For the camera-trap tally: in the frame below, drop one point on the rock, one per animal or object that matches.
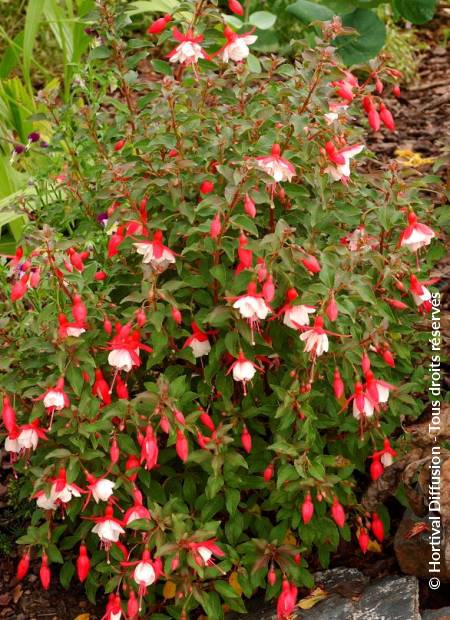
(414, 551)
(436, 614)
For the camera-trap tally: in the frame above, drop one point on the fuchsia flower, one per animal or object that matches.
(113, 608)
(236, 47)
(155, 253)
(101, 387)
(29, 435)
(63, 491)
(359, 240)
(344, 87)
(138, 510)
(55, 399)
(243, 370)
(203, 552)
(244, 254)
(149, 448)
(198, 341)
(420, 293)
(189, 49)
(252, 307)
(315, 339)
(387, 454)
(362, 405)
(377, 389)
(294, 315)
(274, 165)
(340, 170)
(416, 235)
(287, 600)
(100, 489)
(67, 329)
(108, 528)
(124, 347)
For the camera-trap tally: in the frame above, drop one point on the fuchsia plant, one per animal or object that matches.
(209, 325)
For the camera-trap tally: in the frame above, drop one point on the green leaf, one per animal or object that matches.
(66, 573)
(161, 66)
(232, 499)
(32, 19)
(369, 40)
(415, 11)
(253, 64)
(309, 12)
(225, 589)
(262, 19)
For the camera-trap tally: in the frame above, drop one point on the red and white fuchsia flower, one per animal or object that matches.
(252, 307)
(198, 342)
(189, 49)
(287, 600)
(340, 170)
(124, 348)
(277, 167)
(416, 235)
(155, 253)
(63, 491)
(243, 370)
(107, 528)
(294, 315)
(100, 488)
(67, 329)
(236, 47)
(420, 293)
(315, 339)
(203, 552)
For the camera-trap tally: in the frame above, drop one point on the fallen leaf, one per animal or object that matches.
(289, 539)
(234, 583)
(417, 529)
(17, 593)
(409, 158)
(312, 599)
(169, 589)
(374, 546)
(83, 617)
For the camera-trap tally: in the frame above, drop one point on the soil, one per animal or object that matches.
(422, 115)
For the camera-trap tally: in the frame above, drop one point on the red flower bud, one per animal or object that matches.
(100, 275)
(396, 90)
(141, 317)
(268, 473)
(83, 564)
(23, 567)
(44, 573)
(307, 509)
(377, 527)
(367, 104)
(389, 358)
(236, 7)
(119, 145)
(365, 363)
(114, 452)
(376, 469)
(8, 415)
(271, 577)
(159, 25)
(337, 512)
(338, 384)
(311, 263)
(176, 315)
(207, 421)
(19, 289)
(215, 226)
(35, 278)
(206, 187)
(132, 464)
(173, 153)
(379, 86)
(249, 206)
(268, 289)
(246, 440)
(332, 311)
(386, 118)
(374, 119)
(363, 540)
(107, 326)
(133, 604)
(182, 446)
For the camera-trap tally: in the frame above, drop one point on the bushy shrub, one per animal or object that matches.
(207, 334)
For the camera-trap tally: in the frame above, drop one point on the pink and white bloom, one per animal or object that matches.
(198, 341)
(362, 404)
(155, 253)
(243, 370)
(203, 552)
(138, 510)
(359, 240)
(334, 111)
(67, 329)
(189, 49)
(11, 442)
(144, 574)
(420, 293)
(315, 339)
(252, 306)
(416, 235)
(29, 435)
(274, 165)
(388, 453)
(340, 170)
(46, 502)
(377, 389)
(108, 528)
(100, 488)
(124, 348)
(63, 491)
(236, 47)
(55, 399)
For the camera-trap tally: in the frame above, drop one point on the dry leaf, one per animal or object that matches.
(289, 539)
(234, 583)
(417, 529)
(17, 593)
(374, 546)
(83, 617)
(409, 158)
(312, 599)
(169, 589)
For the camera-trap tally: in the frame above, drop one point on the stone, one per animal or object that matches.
(436, 614)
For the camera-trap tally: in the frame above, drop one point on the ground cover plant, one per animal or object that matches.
(207, 332)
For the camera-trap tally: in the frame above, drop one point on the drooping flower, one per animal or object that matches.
(287, 600)
(101, 489)
(29, 435)
(274, 165)
(63, 491)
(107, 528)
(377, 389)
(340, 160)
(387, 453)
(252, 307)
(198, 341)
(315, 339)
(416, 235)
(137, 511)
(124, 348)
(149, 448)
(236, 47)
(420, 293)
(55, 399)
(67, 329)
(203, 552)
(243, 370)
(189, 49)
(83, 564)
(155, 253)
(294, 315)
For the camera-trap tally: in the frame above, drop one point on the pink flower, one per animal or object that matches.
(274, 165)
(286, 601)
(124, 347)
(100, 488)
(108, 528)
(377, 389)
(63, 491)
(236, 47)
(155, 253)
(137, 511)
(388, 453)
(189, 49)
(29, 435)
(359, 240)
(416, 235)
(55, 399)
(294, 315)
(252, 306)
(204, 551)
(315, 339)
(67, 329)
(243, 370)
(420, 293)
(344, 87)
(198, 342)
(149, 448)
(340, 170)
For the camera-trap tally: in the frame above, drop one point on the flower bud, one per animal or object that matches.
(23, 567)
(246, 440)
(83, 564)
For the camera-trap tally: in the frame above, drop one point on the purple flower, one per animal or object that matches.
(19, 148)
(102, 218)
(34, 136)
